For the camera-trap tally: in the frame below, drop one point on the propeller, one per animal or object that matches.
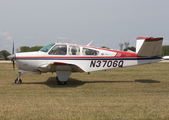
(12, 57)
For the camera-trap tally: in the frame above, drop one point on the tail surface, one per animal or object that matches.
(148, 46)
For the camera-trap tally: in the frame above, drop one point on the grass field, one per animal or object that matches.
(139, 92)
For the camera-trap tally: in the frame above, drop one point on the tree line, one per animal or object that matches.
(30, 49)
(5, 53)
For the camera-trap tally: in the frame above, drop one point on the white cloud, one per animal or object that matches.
(5, 36)
(9, 38)
(29, 38)
(2, 34)
(5, 41)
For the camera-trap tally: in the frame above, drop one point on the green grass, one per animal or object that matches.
(139, 92)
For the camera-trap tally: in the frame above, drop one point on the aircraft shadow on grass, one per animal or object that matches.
(146, 81)
(51, 82)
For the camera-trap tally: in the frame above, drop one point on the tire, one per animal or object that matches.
(61, 82)
(18, 81)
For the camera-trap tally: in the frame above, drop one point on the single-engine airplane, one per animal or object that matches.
(64, 58)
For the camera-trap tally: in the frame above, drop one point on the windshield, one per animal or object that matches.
(59, 50)
(47, 47)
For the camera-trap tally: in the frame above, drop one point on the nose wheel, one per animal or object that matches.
(18, 80)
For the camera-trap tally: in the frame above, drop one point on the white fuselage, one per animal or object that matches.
(81, 62)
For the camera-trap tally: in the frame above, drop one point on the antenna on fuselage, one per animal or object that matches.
(62, 38)
(58, 39)
(89, 43)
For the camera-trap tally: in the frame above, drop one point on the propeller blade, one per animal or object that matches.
(13, 57)
(13, 48)
(13, 64)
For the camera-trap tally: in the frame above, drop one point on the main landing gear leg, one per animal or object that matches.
(62, 77)
(18, 80)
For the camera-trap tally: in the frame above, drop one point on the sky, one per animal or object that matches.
(106, 22)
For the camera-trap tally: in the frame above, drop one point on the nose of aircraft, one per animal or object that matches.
(12, 58)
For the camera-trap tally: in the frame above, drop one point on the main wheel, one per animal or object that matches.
(61, 82)
(18, 81)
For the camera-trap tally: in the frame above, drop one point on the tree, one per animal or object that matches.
(4, 54)
(165, 50)
(35, 48)
(24, 49)
(130, 48)
(105, 47)
(30, 49)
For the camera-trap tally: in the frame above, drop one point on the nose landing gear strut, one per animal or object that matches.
(18, 80)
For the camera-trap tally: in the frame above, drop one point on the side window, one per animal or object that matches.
(59, 50)
(87, 51)
(74, 50)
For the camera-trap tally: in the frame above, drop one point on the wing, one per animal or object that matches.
(59, 66)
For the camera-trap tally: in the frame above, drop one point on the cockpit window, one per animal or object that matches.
(87, 51)
(47, 47)
(59, 50)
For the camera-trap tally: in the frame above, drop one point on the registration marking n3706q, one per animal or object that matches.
(106, 63)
